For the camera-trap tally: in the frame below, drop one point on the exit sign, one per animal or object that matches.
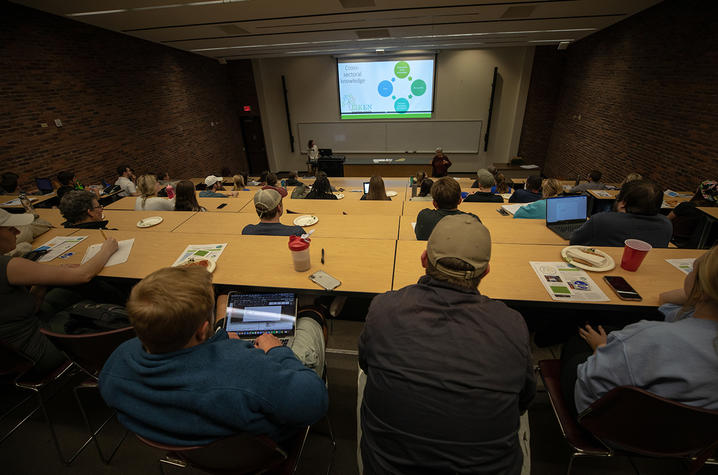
(247, 108)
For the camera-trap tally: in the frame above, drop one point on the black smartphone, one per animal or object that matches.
(502, 212)
(36, 254)
(622, 288)
(222, 206)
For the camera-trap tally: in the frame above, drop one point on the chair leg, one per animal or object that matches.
(94, 433)
(570, 463)
(17, 426)
(55, 440)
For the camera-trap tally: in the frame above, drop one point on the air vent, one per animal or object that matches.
(367, 34)
(519, 12)
(232, 30)
(357, 3)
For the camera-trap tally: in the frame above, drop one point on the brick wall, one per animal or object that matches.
(640, 96)
(120, 99)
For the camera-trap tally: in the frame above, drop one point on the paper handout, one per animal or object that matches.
(58, 246)
(567, 283)
(120, 256)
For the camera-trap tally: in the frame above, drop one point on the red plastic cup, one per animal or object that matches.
(300, 253)
(634, 253)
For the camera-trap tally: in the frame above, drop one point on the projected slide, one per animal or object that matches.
(386, 89)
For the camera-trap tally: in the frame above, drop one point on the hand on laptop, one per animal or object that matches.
(266, 342)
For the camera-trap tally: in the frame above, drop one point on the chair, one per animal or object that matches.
(238, 454)
(89, 352)
(44, 185)
(630, 421)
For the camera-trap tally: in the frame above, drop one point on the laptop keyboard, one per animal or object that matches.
(565, 230)
(285, 341)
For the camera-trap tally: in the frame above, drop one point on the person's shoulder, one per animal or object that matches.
(427, 213)
(250, 229)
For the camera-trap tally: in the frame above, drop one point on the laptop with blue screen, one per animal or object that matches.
(250, 314)
(565, 214)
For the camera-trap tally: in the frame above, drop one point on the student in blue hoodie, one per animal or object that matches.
(182, 383)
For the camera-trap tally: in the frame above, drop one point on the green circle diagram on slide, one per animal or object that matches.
(401, 69)
(416, 87)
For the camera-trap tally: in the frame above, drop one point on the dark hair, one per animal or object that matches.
(65, 177)
(425, 186)
(377, 190)
(453, 263)
(501, 185)
(263, 176)
(641, 197)
(121, 169)
(161, 175)
(269, 214)
(75, 204)
(533, 183)
(321, 186)
(310, 143)
(595, 175)
(271, 179)
(446, 192)
(292, 175)
(9, 181)
(185, 197)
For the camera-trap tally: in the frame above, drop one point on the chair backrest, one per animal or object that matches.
(90, 350)
(44, 185)
(631, 419)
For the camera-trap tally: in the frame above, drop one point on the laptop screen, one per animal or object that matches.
(366, 187)
(566, 208)
(251, 314)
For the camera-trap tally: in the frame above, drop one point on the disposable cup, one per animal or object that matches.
(634, 253)
(300, 253)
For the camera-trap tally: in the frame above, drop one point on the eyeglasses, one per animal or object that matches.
(98, 207)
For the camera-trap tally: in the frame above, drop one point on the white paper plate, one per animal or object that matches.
(149, 222)
(610, 264)
(339, 195)
(391, 193)
(211, 265)
(305, 220)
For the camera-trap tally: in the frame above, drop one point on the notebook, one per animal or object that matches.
(250, 314)
(565, 214)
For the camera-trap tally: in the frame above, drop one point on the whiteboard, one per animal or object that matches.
(453, 136)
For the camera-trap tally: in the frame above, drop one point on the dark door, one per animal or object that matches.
(253, 138)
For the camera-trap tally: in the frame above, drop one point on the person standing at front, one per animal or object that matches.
(440, 164)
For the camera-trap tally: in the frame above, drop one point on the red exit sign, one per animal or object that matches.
(247, 108)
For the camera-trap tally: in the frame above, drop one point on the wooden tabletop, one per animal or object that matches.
(512, 278)
(127, 220)
(34, 199)
(712, 212)
(611, 194)
(329, 225)
(502, 229)
(482, 210)
(350, 207)
(51, 215)
(234, 205)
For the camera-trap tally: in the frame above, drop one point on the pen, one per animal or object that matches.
(322, 255)
(103, 234)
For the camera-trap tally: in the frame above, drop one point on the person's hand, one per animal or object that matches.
(235, 193)
(594, 338)
(233, 336)
(266, 342)
(110, 245)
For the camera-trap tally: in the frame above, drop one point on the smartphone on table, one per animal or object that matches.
(622, 288)
(222, 206)
(325, 280)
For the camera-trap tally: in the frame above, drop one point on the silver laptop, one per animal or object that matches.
(565, 214)
(250, 314)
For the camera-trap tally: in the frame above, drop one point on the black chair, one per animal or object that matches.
(89, 352)
(630, 421)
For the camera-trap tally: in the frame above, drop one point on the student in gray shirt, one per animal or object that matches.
(594, 183)
(446, 193)
(268, 204)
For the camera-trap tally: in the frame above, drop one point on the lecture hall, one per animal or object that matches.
(359, 237)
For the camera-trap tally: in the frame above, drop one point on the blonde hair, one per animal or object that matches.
(147, 185)
(705, 286)
(631, 177)
(238, 182)
(169, 305)
(551, 187)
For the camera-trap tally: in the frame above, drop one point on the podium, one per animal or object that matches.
(332, 165)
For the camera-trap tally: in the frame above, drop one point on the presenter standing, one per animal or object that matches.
(440, 164)
(312, 157)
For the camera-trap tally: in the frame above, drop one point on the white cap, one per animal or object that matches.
(8, 219)
(211, 180)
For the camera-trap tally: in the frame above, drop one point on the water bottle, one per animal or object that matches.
(413, 190)
(25, 201)
(284, 183)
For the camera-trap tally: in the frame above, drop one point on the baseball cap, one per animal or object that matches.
(8, 219)
(211, 180)
(266, 200)
(278, 189)
(460, 236)
(486, 180)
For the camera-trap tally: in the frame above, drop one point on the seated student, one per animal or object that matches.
(263, 177)
(186, 198)
(23, 287)
(214, 184)
(485, 181)
(292, 179)
(638, 204)
(630, 177)
(377, 191)
(322, 189)
(502, 186)
(148, 199)
(449, 370)
(424, 191)
(239, 185)
(446, 194)
(268, 204)
(272, 185)
(8, 183)
(67, 183)
(419, 177)
(687, 218)
(530, 193)
(182, 383)
(537, 210)
(676, 358)
(126, 181)
(82, 210)
(593, 183)
(163, 177)
(481, 171)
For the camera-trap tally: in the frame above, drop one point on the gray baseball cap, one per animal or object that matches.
(461, 236)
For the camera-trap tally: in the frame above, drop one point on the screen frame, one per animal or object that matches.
(393, 57)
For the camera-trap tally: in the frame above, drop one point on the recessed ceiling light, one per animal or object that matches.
(155, 7)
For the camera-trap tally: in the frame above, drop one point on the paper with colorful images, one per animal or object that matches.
(567, 283)
(512, 208)
(17, 202)
(211, 252)
(683, 265)
(675, 194)
(57, 246)
(120, 256)
(603, 193)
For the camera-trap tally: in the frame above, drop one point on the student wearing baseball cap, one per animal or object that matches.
(23, 284)
(268, 204)
(449, 370)
(214, 184)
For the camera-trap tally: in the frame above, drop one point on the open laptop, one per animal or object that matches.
(565, 214)
(250, 314)
(366, 187)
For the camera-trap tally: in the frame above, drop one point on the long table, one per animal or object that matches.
(233, 204)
